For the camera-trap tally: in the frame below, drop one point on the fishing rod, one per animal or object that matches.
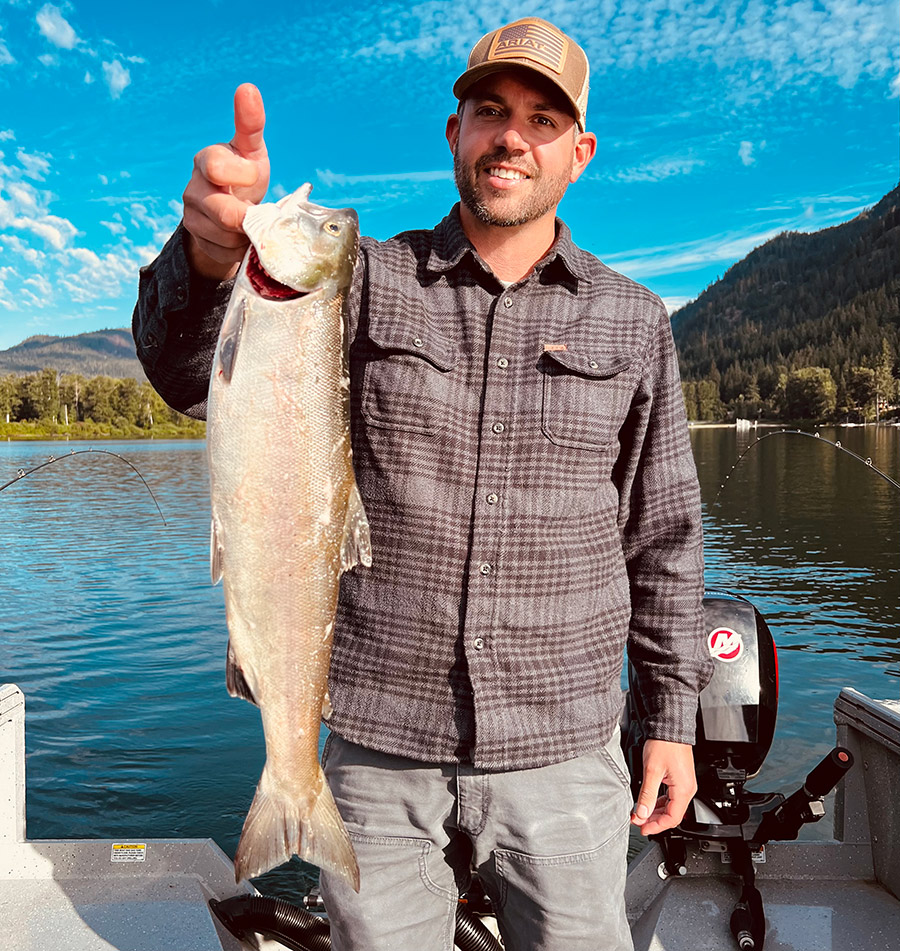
(799, 432)
(21, 473)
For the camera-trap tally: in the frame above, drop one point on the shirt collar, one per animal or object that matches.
(450, 246)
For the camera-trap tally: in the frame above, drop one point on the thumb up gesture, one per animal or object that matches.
(227, 179)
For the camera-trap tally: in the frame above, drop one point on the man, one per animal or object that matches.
(521, 449)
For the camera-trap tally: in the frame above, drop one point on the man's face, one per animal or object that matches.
(515, 149)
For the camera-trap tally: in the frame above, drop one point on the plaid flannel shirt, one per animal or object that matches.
(523, 456)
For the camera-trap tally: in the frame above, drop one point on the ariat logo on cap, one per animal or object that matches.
(532, 41)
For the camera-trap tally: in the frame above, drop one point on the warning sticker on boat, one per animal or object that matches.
(128, 852)
(725, 644)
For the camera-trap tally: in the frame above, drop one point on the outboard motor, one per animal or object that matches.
(735, 727)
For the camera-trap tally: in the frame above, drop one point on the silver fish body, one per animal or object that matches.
(287, 518)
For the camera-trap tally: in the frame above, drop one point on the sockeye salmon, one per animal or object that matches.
(287, 518)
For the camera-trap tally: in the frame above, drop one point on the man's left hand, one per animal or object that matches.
(672, 764)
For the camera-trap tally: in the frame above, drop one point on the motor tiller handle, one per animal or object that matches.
(829, 772)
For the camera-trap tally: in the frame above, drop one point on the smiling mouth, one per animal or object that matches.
(511, 174)
(265, 285)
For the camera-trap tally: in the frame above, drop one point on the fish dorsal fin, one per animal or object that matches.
(235, 680)
(229, 339)
(215, 553)
(357, 546)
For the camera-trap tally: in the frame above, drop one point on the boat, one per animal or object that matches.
(731, 876)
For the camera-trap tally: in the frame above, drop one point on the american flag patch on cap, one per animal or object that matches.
(531, 40)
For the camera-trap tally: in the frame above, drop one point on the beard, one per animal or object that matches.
(503, 209)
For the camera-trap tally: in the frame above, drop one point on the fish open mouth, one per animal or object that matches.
(265, 285)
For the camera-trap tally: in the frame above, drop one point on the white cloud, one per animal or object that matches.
(329, 178)
(23, 250)
(745, 153)
(757, 46)
(7, 135)
(6, 58)
(34, 165)
(655, 171)
(48, 59)
(674, 303)
(723, 249)
(25, 195)
(88, 78)
(116, 227)
(54, 26)
(117, 77)
(57, 232)
(103, 179)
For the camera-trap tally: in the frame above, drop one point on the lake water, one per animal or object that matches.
(109, 623)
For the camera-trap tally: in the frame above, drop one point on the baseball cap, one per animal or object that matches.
(539, 46)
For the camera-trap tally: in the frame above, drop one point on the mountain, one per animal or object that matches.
(829, 299)
(99, 353)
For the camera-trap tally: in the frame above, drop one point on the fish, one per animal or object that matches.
(287, 516)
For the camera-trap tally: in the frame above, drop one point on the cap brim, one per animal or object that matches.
(473, 75)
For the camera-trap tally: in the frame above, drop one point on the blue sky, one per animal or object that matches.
(719, 126)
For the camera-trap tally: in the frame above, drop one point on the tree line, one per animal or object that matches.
(854, 393)
(49, 403)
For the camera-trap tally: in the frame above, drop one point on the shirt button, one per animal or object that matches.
(478, 643)
(593, 364)
(418, 342)
(180, 294)
(503, 363)
(484, 568)
(498, 427)
(507, 302)
(493, 498)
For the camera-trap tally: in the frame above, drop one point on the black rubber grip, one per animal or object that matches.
(829, 772)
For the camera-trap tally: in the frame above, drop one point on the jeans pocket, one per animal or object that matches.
(395, 861)
(574, 900)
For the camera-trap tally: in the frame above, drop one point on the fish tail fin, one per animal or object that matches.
(275, 829)
(357, 546)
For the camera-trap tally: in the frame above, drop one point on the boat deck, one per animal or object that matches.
(151, 894)
(93, 894)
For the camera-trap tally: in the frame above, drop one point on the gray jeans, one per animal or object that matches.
(549, 844)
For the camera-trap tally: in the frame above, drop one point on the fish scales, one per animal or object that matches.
(287, 518)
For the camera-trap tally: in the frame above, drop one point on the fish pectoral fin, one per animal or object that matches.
(229, 339)
(235, 680)
(278, 826)
(357, 545)
(215, 553)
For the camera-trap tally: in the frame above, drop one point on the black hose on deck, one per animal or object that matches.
(295, 928)
(471, 934)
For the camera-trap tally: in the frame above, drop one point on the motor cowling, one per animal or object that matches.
(737, 709)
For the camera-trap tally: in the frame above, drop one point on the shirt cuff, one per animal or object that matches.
(672, 717)
(172, 298)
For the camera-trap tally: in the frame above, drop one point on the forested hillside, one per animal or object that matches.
(807, 325)
(102, 352)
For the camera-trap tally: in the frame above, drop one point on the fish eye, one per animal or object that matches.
(333, 227)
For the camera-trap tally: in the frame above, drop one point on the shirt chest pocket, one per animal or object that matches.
(585, 398)
(406, 378)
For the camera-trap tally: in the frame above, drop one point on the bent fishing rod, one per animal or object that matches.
(21, 473)
(867, 462)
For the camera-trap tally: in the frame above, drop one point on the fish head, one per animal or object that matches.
(299, 248)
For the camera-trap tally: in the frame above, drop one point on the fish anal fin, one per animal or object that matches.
(277, 827)
(215, 553)
(235, 680)
(357, 545)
